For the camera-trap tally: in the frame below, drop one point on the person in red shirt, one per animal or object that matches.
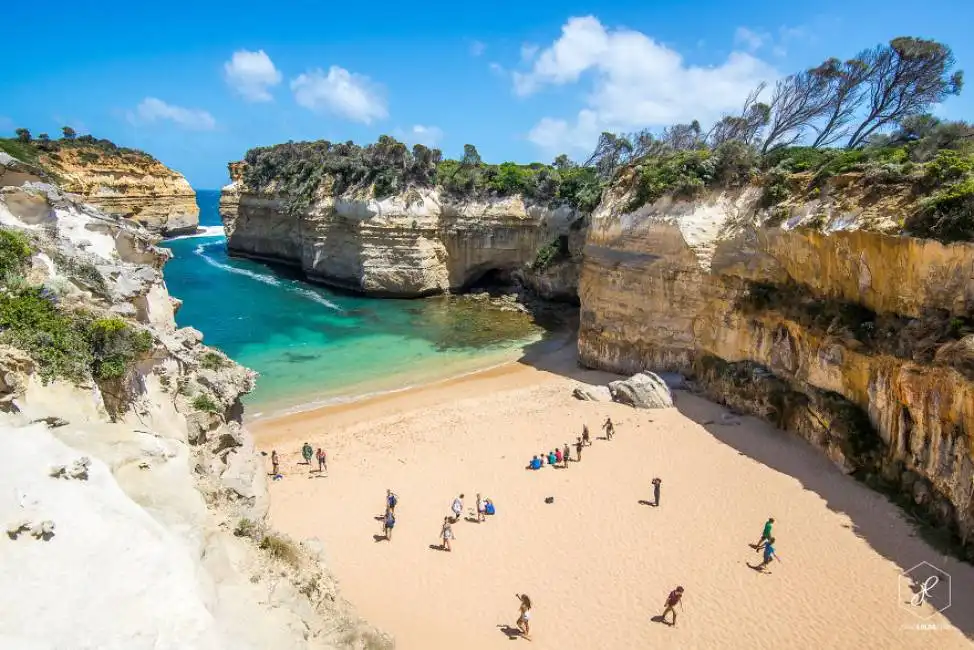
(322, 461)
(558, 456)
(675, 597)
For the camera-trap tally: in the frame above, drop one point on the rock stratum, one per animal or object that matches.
(126, 183)
(821, 318)
(419, 242)
(133, 499)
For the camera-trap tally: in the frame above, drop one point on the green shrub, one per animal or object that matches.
(775, 188)
(947, 167)
(60, 343)
(204, 402)
(734, 163)
(116, 346)
(948, 215)
(682, 174)
(281, 549)
(245, 528)
(212, 361)
(15, 251)
(797, 159)
(551, 253)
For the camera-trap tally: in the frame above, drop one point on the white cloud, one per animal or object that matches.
(751, 40)
(344, 93)
(496, 68)
(252, 74)
(636, 83)
(477, 48)
(152, 110)
(428, 135)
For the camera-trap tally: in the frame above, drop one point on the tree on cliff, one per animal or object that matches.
(905, 78)
(845, 97)
(745, 127)
(796, 102)
(23, 135)
(69, 133)
(471, 158)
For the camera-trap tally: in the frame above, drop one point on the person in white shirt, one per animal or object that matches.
(457, 508)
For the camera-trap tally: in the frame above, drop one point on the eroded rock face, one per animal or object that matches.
(419, 243)
(704, 288)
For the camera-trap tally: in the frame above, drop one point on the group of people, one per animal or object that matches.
(307, 452)
(561, 457)
(485, 508)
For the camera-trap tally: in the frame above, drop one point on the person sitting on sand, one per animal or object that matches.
(535, 463)
(609, 428)
(524, 615)
(586, 439)
(481, 512)
(489, 507)
(322, 461)
(391, 501)
(559, 457)
(446, 534)
(307, 452)
(765, 534)
(578, 450)
(566, 454)
(544, 457)
(676, 596)
(275, 464)
(457, 508)
(388, 523)
(552, 459)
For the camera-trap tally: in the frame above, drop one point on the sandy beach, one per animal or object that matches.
(599, 561)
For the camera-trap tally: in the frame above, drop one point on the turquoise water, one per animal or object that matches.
(312, 345)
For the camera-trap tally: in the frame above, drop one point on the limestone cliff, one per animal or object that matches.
(132, 497)
(419, 242)
(813, 317)
(123, 182)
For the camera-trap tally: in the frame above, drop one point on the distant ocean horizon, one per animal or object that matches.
(313, 346)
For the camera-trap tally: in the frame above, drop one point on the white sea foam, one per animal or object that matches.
(204, 231)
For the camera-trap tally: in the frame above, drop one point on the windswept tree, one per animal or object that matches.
(683, 137)
(904, 78)
(746, 127)
(611, 152)
(23, 135)
(845, 94)
(796, 102)
(69, 133)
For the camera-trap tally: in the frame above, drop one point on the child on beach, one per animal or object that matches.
(609, 428)
(457, 508)
(322, 461)
(566, 455)
(765, 534)
(769, 554)
(388, 523)
(585, 435)
(578, 450)
(524, 615)
(675, 597)
(481, 509)
(446, 534)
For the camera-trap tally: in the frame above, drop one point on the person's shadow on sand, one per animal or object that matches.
(512, 632)
(758, 568)
(659, 619)
(380, 538)
(644, 502)
(437, 547)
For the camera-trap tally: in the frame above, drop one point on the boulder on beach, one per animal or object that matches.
(588, 393)
(644, 390)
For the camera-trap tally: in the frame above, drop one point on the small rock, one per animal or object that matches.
(52, 422)
(588, 393)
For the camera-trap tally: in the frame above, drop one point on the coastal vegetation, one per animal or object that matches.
(88, 149)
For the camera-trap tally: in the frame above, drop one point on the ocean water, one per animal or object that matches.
(312, 345)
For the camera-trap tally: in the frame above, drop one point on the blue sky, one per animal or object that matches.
(521, 80)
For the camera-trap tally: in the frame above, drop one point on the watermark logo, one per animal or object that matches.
(924, 590)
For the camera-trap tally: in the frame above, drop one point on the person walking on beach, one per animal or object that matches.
(675, 597)
(446, 534)
(566, 455)
(322, 461)
(609, 428)
(524, 616)
(481, 509)
(765, 534)
(578, 450)
(307, 452)
(769, 554)
(457, 508)
(275, 464)
(388, 523)
(586, 438)
(656, 484)
(391, 501)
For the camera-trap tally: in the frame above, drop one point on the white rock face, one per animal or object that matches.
(643, 390)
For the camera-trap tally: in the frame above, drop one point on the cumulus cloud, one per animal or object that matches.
(352, 96)
(152, 110)
(252, 74)
(636, 83)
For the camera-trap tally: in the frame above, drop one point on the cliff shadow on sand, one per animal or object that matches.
(875, 519)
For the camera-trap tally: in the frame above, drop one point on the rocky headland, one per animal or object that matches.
(134, 501)
(120, 181)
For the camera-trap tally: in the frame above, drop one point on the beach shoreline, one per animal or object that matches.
(599, 560)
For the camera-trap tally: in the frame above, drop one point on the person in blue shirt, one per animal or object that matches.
(535, 463)
(769, 554)
(489, 507)
(552, 459)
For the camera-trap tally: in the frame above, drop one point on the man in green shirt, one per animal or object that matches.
(765, 534)
(307, 452)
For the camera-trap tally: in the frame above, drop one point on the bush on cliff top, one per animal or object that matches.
(15, 251)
